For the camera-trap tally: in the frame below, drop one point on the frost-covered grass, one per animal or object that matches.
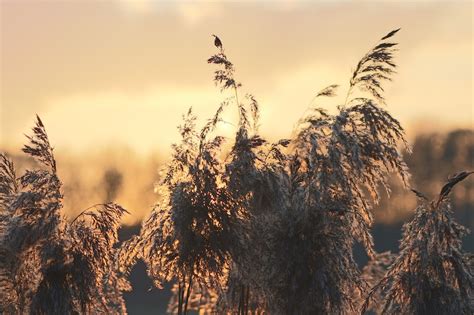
(51, 264)
(249, 227)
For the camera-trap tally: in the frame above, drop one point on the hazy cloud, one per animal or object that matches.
(98, 75)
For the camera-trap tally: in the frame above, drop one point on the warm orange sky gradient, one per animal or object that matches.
(104, 73)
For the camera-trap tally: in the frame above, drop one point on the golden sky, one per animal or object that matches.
(122, 72)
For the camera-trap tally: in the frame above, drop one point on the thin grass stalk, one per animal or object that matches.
(180, 311)
(188, 293)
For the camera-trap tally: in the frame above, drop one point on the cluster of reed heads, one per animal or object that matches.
(244, 225)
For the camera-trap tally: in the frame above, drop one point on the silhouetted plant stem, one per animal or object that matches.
(180, 304)
(241, 300)
(238, 105)
(188, 293)
(247, 298)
